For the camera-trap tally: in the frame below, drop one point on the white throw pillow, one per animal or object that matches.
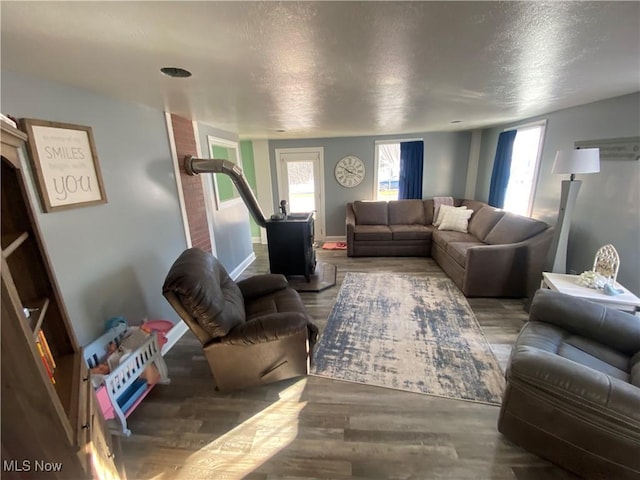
(443, 209)
(456, 220)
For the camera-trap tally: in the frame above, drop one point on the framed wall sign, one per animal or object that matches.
(627, 148)
(65, 164)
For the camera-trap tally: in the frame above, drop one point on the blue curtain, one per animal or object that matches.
(411, 161)
(501, 168)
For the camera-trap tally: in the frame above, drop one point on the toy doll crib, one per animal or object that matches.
(120, 391)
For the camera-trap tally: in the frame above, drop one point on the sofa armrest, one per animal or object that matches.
(616, 329)
(502, 265)
(267, 328)
(350, 224)
(568, 380)
(260, 285)
(537, 251)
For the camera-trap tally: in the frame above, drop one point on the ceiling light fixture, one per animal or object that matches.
(175, 72)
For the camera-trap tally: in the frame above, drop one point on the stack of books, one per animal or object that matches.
(45, 355)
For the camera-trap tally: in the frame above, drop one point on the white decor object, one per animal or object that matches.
(570, 162)
(607, 263)
(592, 279)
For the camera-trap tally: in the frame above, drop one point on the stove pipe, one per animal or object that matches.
(194, 166)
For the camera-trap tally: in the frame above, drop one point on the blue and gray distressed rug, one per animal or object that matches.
(410, 333)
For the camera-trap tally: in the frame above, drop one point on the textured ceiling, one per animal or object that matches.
(324, 69)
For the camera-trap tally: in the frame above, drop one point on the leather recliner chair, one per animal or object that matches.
(573, 387)
(253, 332)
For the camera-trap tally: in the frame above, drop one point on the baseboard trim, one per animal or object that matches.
(243, 266)
(173, 335)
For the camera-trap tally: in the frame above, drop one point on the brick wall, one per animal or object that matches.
(185, 140)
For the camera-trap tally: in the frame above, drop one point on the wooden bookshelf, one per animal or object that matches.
(45, 410)
(39, 308)
(12, 241)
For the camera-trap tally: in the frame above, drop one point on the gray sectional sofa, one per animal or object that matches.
(501, 255)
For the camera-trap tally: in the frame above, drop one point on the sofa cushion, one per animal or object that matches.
(483, 221)
(206, 291)
(444, 237)
(512, 228)
(443, 209)
(372, 232)
(406, 212)
(455, 219)
(474, 205)
(282, 301)
(428, 211)
(371, 213)
(635, 369)
(596, 356)
(410, 232)
(458, 251)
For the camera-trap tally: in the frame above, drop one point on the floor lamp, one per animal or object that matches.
(586, 160)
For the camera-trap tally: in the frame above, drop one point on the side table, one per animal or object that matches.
(568, 284)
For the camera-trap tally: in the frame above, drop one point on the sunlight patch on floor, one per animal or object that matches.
(249, 445)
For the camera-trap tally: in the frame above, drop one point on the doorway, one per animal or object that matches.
(301, 182)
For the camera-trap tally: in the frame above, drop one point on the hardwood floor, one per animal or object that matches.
(319, 428)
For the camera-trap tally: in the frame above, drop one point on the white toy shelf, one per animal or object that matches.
(122, 390)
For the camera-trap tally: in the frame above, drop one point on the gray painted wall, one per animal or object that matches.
(109, 259)
(445, 168)
(608, 205)
(231, 227)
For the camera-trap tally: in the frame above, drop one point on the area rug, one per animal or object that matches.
(334, 246)
(410, 333)
(322, 278)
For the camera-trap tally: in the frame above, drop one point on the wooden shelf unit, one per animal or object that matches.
(41, 420)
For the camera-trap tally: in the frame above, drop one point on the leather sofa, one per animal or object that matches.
(501, 255)
(573, 387)
(252, 332)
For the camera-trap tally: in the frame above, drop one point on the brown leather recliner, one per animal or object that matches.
(573, 387)
(253, 332)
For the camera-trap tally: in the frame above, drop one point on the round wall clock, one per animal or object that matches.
(349, 171)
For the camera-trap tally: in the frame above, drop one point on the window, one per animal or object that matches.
(387, 171)
(301, 186)
(226, 192)
(525, 159)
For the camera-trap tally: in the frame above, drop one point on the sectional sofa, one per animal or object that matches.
(501, 254)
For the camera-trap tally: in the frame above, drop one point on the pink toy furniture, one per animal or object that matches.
(122, 390)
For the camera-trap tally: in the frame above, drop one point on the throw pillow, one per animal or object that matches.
(442, 210)
(456, 220)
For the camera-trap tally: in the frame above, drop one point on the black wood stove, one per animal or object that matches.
(290, 237)
(290, 242)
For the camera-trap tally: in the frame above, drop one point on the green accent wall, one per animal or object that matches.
(249, 170)
(226, 189)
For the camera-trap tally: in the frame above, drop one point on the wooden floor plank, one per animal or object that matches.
(320, 428)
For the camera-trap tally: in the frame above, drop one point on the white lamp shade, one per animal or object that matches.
(583, 160)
